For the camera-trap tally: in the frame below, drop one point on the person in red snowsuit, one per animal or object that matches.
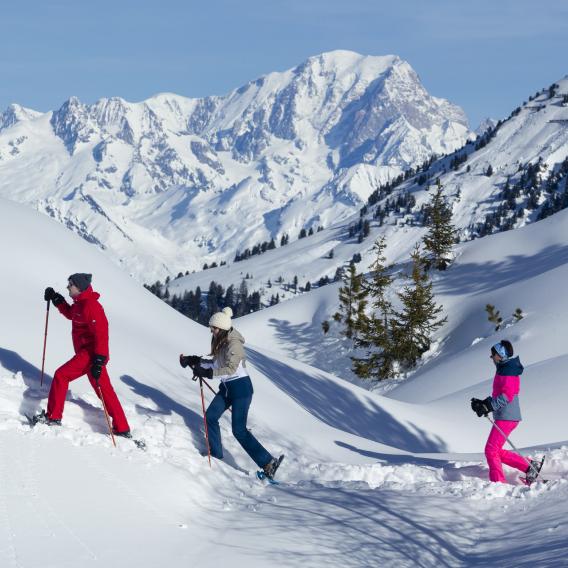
(89, 331)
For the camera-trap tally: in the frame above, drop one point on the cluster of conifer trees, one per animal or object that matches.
(395, 338)
(525, 196)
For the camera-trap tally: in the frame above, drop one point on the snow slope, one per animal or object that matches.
(368, 479)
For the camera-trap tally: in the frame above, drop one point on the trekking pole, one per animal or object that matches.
(209, 387)
(213, 391)
(106, 414)
(204, 419)
(44, 343)
(528, 462)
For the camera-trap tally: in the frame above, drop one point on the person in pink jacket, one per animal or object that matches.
(504, 403)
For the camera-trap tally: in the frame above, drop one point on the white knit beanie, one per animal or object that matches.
(222, 320)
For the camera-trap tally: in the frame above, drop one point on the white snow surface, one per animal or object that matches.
(368, 480)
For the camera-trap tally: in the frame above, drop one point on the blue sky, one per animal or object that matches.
(486, 56)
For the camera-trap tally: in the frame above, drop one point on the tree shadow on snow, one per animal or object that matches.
(352, 528)
(337, 406)
(474, 278)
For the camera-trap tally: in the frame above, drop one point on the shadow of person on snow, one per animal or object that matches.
(33, 393)
(338, 406)
(452, 471)
(166, 406)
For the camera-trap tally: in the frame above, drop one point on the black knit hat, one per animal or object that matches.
(81, 280)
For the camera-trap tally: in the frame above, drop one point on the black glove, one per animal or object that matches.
(481, 407)
(50, 295)
(202, 372)
(189, 360)
(97, 364)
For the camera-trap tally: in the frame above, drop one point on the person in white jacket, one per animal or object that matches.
(228, 364)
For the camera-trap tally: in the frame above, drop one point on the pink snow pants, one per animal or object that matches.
(497, 456)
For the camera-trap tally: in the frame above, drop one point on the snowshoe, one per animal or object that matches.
(533, 471)
(269, 470)
(42, 418)
(124, 434)
(141, 444)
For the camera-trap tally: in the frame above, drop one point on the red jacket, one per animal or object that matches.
(90, 325)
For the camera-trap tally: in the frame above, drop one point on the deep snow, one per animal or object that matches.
(368, 480)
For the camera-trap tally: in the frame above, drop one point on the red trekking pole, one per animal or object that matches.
(213, 391)
(204, 419)
(106, 414)
(44, 342)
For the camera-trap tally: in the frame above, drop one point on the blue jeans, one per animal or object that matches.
(238, 395)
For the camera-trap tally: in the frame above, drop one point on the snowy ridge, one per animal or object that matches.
(535, 131)
(170, 183)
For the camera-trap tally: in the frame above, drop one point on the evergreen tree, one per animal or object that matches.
(196, 308)
(230, 299)
(441, 235)
(377, 336)
(494, 316)
(518, 315)
(254, 302)
(352, 302)
(241, 307)
(214, 298)
(413, 326)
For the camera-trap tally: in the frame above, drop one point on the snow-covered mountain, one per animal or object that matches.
(525, 151)
(485, 125)
(170, 183)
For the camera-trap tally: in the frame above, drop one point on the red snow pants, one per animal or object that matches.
(77, 367)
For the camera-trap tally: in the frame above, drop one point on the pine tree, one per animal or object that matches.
(230, 298)
(242, 299)
(378, 363)
(352, 302)
(419, 318)
(518, 315)
(441, 235)
(494, 316)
